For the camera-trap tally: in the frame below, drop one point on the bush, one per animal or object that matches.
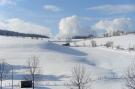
(109, 44)
(118, 47)
(131, 49)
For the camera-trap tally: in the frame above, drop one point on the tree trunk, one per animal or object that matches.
(1, 80)
(33, 81)
(79, 87)
(1, 84)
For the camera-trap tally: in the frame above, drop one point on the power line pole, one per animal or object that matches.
(12, 77)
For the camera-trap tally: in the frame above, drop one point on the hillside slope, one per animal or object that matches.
(124, 41)
(107, 66)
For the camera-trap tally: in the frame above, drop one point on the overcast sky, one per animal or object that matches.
(67, 17)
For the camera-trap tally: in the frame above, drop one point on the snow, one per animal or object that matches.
(106, 65)
(124, 41)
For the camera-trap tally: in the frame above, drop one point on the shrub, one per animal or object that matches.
(109, 44)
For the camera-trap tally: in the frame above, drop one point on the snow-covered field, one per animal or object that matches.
(107, 66)
(125, 41)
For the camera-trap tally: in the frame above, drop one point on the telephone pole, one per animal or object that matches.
(12, 77)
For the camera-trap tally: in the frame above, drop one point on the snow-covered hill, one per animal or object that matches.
(107, 66)
(125, 41)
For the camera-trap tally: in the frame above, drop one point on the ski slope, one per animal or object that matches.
(107, 66)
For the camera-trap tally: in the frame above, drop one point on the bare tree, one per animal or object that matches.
(130, 77)
(4, 70)
(93, 43)
(33, 70)
(80, 78)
